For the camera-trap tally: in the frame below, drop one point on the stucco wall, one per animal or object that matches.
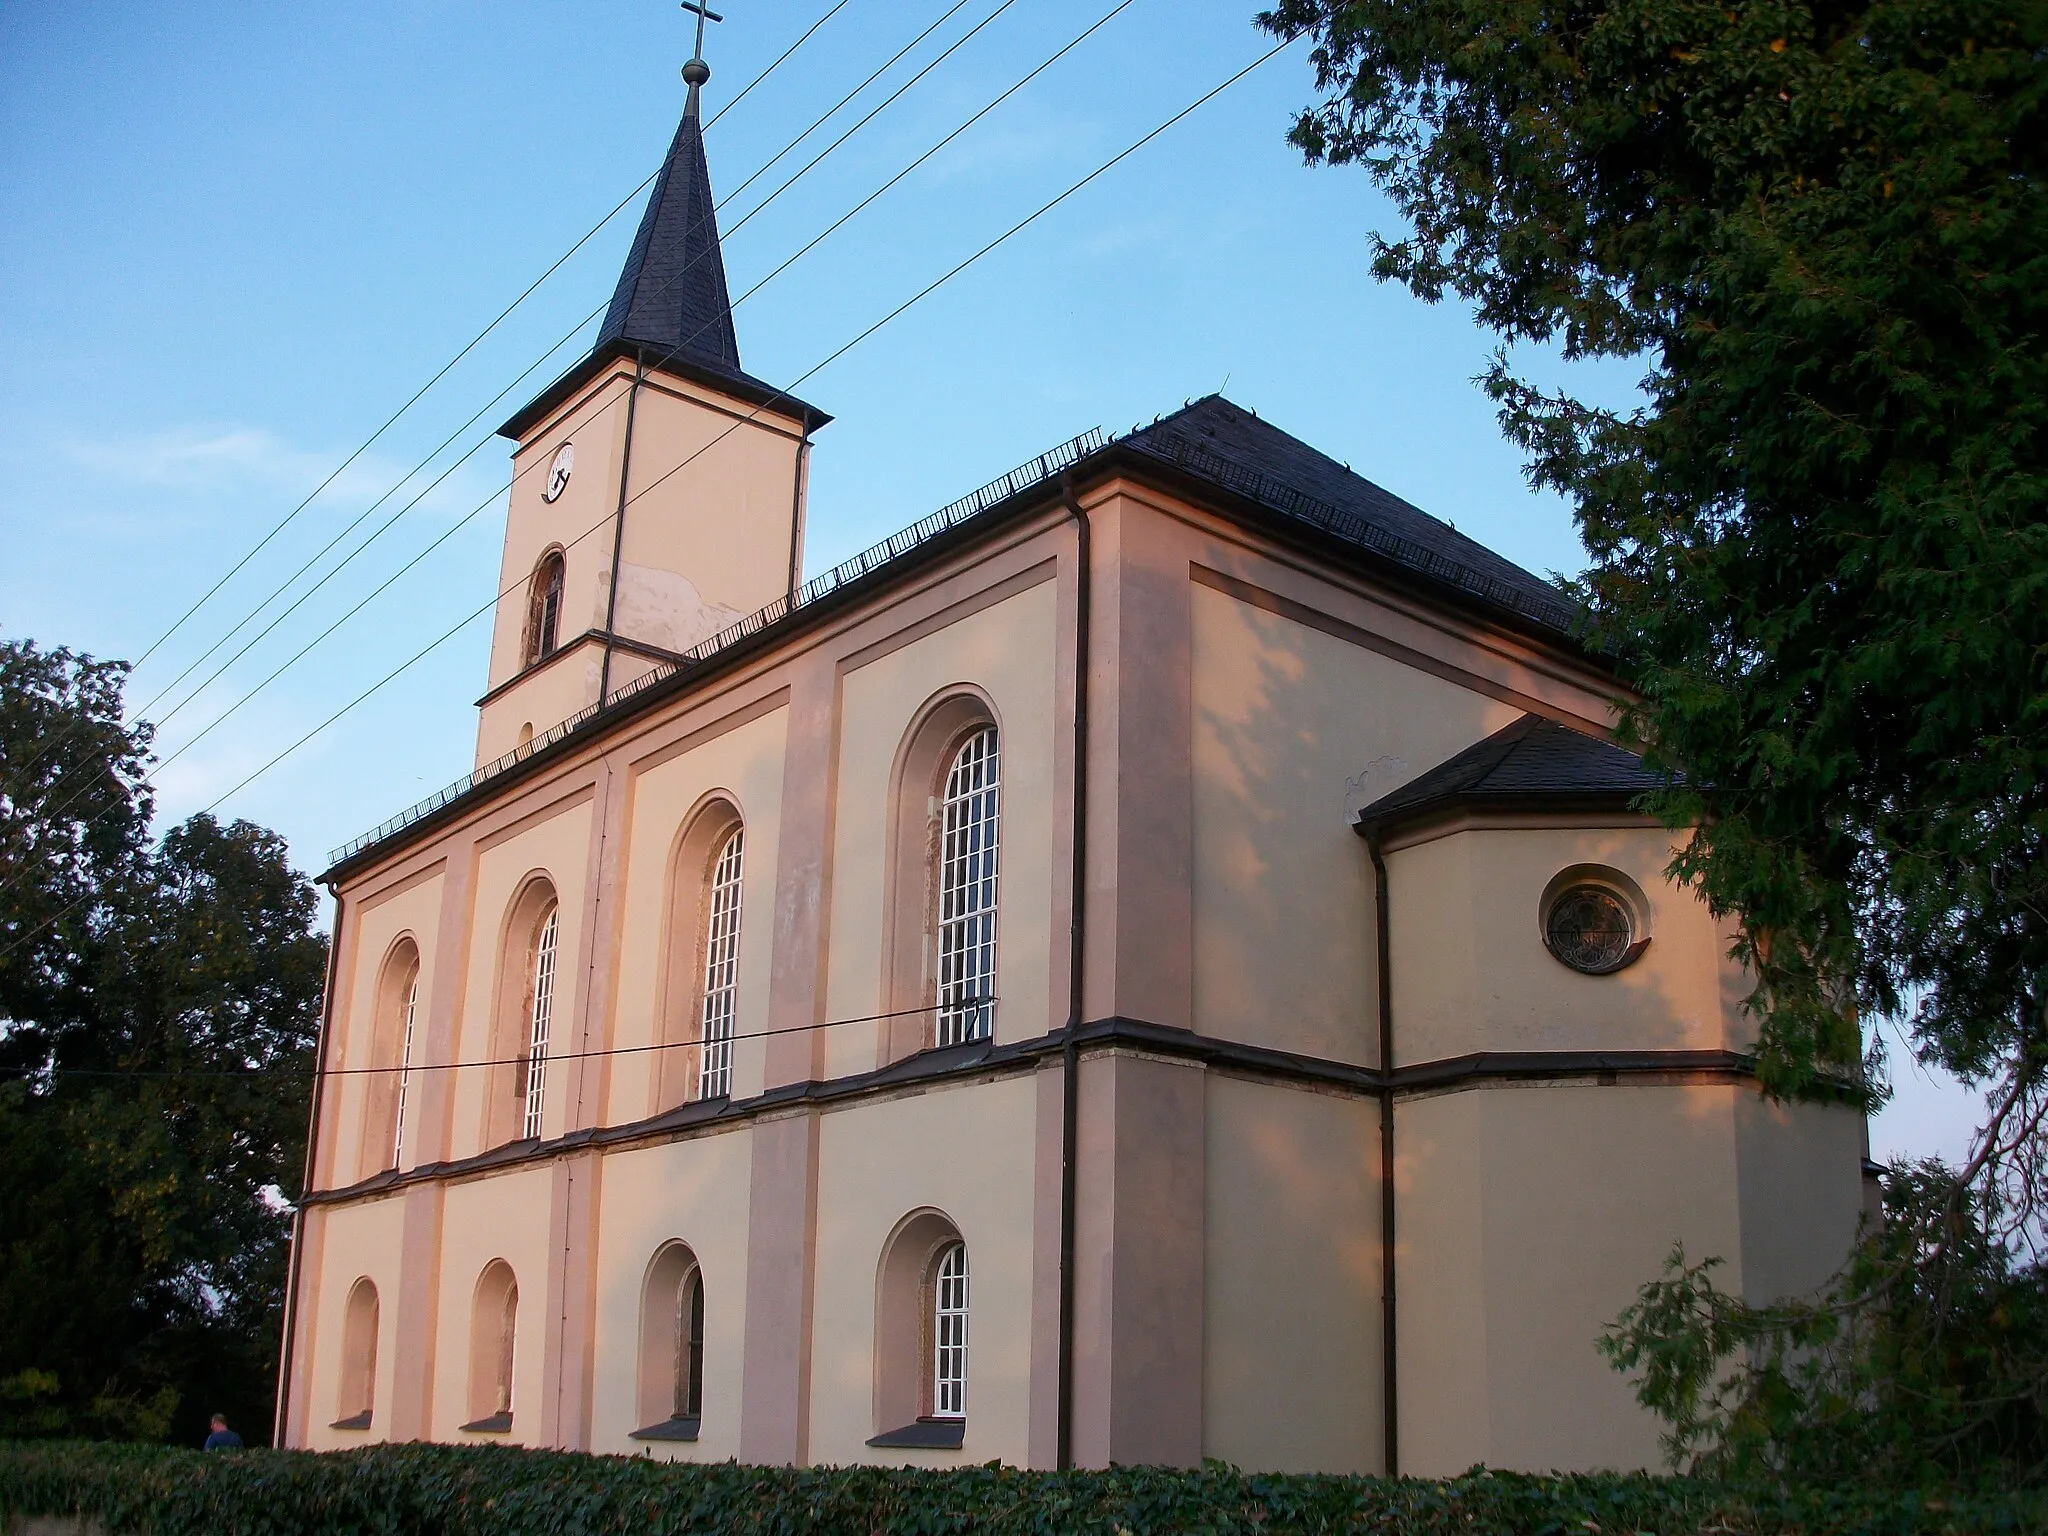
(966, 1151)
(1291, 1349)
(1294, 730)
(694, 1192)
(1007, 651)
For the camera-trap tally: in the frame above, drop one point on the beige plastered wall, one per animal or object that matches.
(553, 841)
(694, 1192)
(360, 1242)
(966, 1151)
(1005, 652)
(503, 1216)
(1471, 972)
(739, 760)
(1291, 1378)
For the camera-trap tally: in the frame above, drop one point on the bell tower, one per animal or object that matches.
(658, 488)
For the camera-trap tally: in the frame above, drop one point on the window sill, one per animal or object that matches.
(353, 1421)
(668, 1429)
(495, 1424)
(925, 1434)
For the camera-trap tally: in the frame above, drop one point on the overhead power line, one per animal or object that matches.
(784, 394)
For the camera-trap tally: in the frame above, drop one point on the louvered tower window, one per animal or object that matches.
(970, 833)
(721, 968)
(537, 1037)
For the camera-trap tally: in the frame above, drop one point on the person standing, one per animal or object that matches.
(223, 1438)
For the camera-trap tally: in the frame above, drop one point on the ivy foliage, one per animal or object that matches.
(497, 1491)
(158, 1004)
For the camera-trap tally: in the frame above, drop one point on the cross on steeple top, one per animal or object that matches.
(696, 71)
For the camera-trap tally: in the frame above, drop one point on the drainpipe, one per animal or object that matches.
(291, 1283)
(611, 597)
(1070, 1049)
(796, 514)
(1390, 1397)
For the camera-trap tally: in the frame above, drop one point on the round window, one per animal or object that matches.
(1590, 929)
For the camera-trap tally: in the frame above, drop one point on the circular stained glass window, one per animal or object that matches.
(1590, 929)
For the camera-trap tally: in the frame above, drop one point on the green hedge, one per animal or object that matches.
(490, 1491)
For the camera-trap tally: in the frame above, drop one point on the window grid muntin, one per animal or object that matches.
(949, 1334)
(721, 969)
(412, 998)
(970, 837)
(543, 1008)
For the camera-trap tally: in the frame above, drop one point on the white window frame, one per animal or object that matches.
(949, 1333)
(543, 1010)
(970, 846)
(721, 968)
(412, 999)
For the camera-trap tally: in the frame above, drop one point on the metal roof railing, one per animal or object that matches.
(874, 558)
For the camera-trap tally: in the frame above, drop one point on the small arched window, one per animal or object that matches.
(533, 1065)
(544, 608)
(672, 1347)
(493, 1339)
(921, 1335)
(358, 1357)
(721, 968)
(970, 837)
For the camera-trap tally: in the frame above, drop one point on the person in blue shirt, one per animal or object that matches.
(223, 1438)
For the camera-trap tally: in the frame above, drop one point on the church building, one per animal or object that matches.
(1156, 961)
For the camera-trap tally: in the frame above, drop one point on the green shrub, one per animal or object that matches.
(492, 1491)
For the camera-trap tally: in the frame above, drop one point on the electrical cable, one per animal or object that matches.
(495, 1061)
(492, 500)
(783, 394)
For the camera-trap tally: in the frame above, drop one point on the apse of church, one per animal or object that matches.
(1157, 961)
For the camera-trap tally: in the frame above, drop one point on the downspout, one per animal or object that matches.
(1390, 1380)
(291, 1283)
(1070, 1049)
(796, 515)
(611, 597)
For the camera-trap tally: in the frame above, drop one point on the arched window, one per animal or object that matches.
(540, 1007)
(358, 1357)
(544, 608)
(921, 1335)
(949, 1333)
(700, 1006)
(721, 968)
(672, 1347)
(523, 1015)
(969, 840)
(391, 1039)
(493, 1338)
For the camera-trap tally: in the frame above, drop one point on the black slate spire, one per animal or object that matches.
(672, 294)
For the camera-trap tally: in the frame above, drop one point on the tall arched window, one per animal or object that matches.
(493, 1339)
(544, 608)
(396, 1001)
(969, 839)
(721, 968)
(540, 1007)
(358, 1357)
(672, 1347)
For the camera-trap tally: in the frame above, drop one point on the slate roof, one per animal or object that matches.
(1532, 764)
(1227, 445)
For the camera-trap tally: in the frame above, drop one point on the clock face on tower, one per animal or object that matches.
(558, 473)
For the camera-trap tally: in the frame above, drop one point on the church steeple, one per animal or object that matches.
(672, 293)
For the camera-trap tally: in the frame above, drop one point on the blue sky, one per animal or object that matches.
(239, 236)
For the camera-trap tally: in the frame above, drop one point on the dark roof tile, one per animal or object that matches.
(1530, 762)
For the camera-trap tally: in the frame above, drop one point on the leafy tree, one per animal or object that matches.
(1820, 542)
(158, 1006)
